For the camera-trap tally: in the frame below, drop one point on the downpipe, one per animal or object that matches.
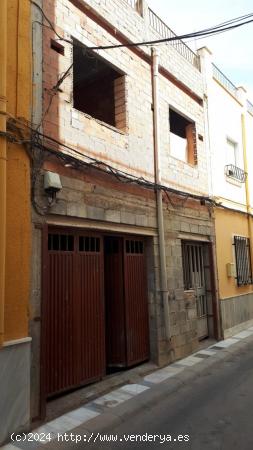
(159, 196)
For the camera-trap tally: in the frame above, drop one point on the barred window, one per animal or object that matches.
(243, 260)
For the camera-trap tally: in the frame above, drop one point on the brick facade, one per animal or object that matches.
(90, 199)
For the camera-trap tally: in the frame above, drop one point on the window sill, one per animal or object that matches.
(187, 164)
(100, 122)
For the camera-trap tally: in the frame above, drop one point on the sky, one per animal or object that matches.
(232, 51)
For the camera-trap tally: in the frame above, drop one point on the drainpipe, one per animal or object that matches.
(159, 197)
(3, 156)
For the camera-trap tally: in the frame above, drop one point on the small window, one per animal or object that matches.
(182, 138)
(89, 244)
(134, 247)
(232, 156)
(98, 88)
(243, 261)
(60, 242)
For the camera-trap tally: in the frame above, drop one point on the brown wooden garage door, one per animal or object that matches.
(136, 301)
(73, 316)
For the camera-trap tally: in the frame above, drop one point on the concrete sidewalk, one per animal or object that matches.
(106, 412)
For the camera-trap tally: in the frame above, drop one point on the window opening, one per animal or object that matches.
(182, 138)
(98, 88)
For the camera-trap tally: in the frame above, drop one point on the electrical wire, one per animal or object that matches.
(171, 39)
(90, 162)
(43, 151)
(224, 26)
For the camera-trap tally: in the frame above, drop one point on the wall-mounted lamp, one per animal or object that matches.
(52, 185)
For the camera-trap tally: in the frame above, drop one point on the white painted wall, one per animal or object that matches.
(224, 122)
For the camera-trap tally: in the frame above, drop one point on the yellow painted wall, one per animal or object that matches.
(18, 239)
(228, 224)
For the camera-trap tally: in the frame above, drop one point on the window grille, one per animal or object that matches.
(243, 261)
(89, 244)
(134, 247)
(60, 242)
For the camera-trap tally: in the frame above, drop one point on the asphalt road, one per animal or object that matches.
(213, 411)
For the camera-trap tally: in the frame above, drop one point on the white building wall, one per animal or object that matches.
(249, 143)
(224, 112)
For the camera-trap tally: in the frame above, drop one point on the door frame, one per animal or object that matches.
(210, 248)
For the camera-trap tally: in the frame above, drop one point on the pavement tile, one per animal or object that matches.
(82, 414)
(134, 389)
(226, 343)
(189, 361)
(63, 424)
(243, 334)
(207, 352)
(159, 376)
(113, 399)
(173, 369)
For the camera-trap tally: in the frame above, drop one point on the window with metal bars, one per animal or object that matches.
(60, 242)
(89, 244)
(134, 247)
(243, 260)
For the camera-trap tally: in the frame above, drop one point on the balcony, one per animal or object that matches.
(224, 81)
(165, 32)
(161, 29)
(236, 173)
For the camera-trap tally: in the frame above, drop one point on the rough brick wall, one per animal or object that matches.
(130, 147)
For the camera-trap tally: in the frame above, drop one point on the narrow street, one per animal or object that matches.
(214, 409)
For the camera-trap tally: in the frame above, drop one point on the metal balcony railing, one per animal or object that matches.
(165, 32)
(235, 172)
(224, 81)
(135, 4)
(249, 107)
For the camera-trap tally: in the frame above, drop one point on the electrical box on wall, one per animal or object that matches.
(231, 270)
(52, 182)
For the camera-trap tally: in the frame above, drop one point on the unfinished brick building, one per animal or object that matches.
(119, 127)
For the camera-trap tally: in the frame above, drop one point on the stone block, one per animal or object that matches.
(77, 210)
(60, 208)
(112, 215)
(141, 220)
(95, 213)
(127, 217)
(185, 227)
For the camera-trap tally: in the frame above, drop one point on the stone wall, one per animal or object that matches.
(236, 314)
(111, 206)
